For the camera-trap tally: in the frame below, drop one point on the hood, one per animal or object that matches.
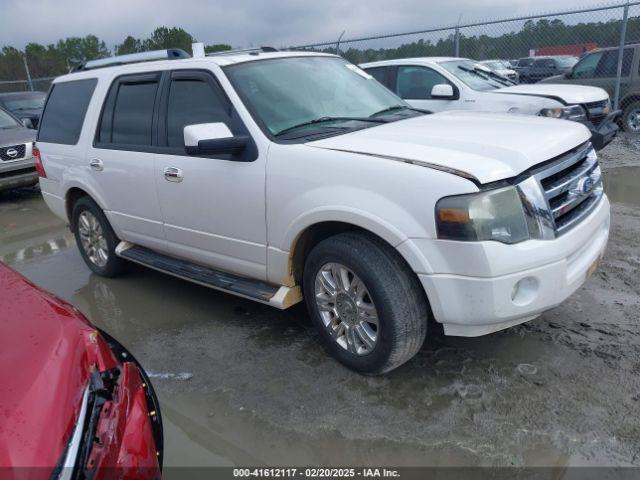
(569, 94)
(12, 136)
(46, 349)
(484, 146)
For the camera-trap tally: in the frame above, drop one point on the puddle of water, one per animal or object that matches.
(622, 185)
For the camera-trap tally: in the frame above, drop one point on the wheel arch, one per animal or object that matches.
(629, 99)
(72, 194)
(316, 232)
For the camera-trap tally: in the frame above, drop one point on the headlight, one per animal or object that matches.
(492, 215)
(573, 112)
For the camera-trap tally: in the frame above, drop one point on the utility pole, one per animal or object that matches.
(623, 35)
(338, 43)
(456, 38)
(26, 68)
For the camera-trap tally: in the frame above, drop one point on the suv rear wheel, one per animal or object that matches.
(366, 303)
(95, 238)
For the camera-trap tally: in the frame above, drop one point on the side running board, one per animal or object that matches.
(279, 297)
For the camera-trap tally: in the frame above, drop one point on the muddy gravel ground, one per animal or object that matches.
(245, 384)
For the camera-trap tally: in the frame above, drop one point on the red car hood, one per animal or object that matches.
(47, 352)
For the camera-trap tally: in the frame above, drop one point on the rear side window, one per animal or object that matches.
(379, 73)
(128, 113)
(65, 110)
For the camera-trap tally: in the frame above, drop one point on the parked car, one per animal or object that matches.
(278, 176)
(544, 67)
(17, 165)
(27, 106)
(503, 68)
(443, 83)
(522, 68)
(74, 402)
(599, 68)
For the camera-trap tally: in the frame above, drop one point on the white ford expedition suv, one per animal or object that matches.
(278, 176)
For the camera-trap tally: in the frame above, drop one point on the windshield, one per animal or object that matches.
(285, 93)
(566, 62)
(496, 65)
(475, 76)
(7, 121)
(33, 102)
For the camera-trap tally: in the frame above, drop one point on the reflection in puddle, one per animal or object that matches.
(622, 185)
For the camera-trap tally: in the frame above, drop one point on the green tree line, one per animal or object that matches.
(513, 44)
(58, 58)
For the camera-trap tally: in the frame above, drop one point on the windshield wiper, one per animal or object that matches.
(327, 119)
(389, 109)
(487, 75)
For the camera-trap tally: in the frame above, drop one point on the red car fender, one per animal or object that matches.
(125, 446)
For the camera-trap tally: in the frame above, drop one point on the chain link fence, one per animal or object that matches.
(571, 33)
(37, 84)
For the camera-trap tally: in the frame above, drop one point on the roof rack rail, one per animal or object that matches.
(168, 54)
(251, 51)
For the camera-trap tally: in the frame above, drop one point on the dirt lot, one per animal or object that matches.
(242, 383)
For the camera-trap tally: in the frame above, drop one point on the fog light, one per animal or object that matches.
(524, 291)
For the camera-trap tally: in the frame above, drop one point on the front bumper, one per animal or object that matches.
(606, 131)
(481, 297)
(19, 173)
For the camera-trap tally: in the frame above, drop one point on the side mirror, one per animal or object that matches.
(213, 139)
(442, 91)
(27, 122)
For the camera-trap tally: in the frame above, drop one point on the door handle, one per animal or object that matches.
(96, 164)
(173, 174)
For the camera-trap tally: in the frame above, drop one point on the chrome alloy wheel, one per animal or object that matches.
(346, 309)
(633, 120)
(92, 238)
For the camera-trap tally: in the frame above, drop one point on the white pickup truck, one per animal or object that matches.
(445, 83)
(278, 176)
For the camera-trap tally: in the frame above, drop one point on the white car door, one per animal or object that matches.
(213, 207)
(121, 159)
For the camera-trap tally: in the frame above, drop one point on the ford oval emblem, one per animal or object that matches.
(585, 185)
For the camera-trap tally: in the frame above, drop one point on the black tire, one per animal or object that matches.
(628, 110)
(399, 299)
(114, 265)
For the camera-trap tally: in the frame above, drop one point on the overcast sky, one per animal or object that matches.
(248, 22)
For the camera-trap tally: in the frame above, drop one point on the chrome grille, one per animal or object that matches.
(572, 187)
(12, 152)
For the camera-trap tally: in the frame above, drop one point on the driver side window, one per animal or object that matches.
(415, 83)
(586, 67)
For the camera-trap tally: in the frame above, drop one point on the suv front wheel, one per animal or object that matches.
(95, 238)
(367, 305)
(631, 117)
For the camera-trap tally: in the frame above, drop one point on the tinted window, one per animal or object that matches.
(525, 62)
(587, 66)
(65, 110)
(133, 113)
(191, 102)
(544, 63)
(417, 82)
(379, 73)
(603, 64)
(608, 64)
